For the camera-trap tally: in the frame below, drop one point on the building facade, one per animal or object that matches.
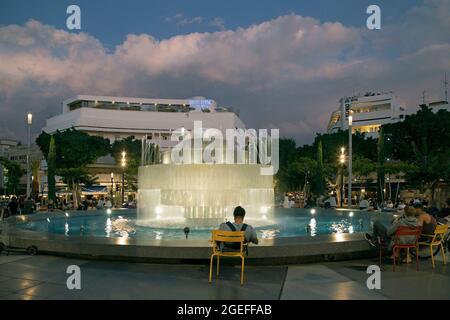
(117, 118)
(370, 111)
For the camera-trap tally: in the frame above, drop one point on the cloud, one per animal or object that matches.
(219, 23)
(181, 21)
(288, 72)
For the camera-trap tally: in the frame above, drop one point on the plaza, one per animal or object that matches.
(44, 277)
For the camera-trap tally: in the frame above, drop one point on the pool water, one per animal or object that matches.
(286, 223)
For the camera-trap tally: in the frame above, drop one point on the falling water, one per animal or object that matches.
(203, 194)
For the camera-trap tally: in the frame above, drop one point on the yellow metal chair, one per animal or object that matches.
(436, 240)
(226, 236)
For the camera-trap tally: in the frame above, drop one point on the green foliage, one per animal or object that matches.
(423, 141)
(132, 149)
(13, 174)
(74, 150)
(51, 168)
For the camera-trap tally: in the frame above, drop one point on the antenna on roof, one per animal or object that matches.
(423, 96)
(445, 82)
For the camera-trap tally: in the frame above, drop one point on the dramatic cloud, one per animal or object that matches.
(288, 72)
(219, 23)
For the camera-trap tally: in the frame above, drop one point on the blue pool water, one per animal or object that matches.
(286, 223)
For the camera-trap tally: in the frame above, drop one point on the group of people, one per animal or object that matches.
(413, 216)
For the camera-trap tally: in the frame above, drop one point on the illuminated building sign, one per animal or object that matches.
(200, 104)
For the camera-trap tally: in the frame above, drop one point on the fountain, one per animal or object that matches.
(202, 194)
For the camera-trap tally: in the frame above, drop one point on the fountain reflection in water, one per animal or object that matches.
(203, 195)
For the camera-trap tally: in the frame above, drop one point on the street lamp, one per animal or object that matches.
(342, 161)
(123, 164)
(29, 122)
(350, 122)
(112, 185)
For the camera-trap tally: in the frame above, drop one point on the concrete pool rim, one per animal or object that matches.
(288, 250)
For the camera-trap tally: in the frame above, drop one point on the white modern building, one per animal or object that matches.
(370, 111)
(5, 147)
(117, 118)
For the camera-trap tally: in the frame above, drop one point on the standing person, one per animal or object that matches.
(100, 204)
(238, 225)
(28, 206)
(108, 204)
(13, 206)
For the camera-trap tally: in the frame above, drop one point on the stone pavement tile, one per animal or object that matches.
(44, 290)
(423, 287)
(260, 283)
(11, 258)
(14, 270)
(320, 282)
(4, 278)
(20, 297)
(50, 263)
(348, 290)
(18, 284)
(313, 274)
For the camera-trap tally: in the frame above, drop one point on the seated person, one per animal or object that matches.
(364, 204)
(238, 225)
(387, 234)
(427, 221)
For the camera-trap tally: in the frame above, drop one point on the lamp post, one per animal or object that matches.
(112, 185)
(123, 164)
(29, 122)
(342, 161)
(350, 122)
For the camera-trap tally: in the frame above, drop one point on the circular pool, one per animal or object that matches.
(123, 223)
(290, 236)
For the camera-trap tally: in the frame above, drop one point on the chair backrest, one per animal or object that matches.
(403, 231)
(228, 236)
(439, 232)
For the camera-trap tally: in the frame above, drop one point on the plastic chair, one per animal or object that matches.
(436, 240)
(406, 231)
(227, 236)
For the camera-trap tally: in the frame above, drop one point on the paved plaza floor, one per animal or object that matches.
(44, 277)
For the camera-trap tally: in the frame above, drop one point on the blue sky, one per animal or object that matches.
(282, 64)
(110, 21)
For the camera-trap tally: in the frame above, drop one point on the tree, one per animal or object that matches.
(51, 167)
(35, 166)
(133, 151)
(74, 151)
(320, 177)
(380, 166)
(423, 140)
(13, 173)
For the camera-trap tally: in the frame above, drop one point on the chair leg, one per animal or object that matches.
(417, 258)
(432, 255)
(443, 253)
(218, 264)
(394, 253)
(210, 268)
(242, 271)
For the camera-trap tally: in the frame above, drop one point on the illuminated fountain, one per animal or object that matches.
(202, 194)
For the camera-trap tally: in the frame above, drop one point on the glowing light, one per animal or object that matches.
(264, 209)
(67, 214)
(29, 118)
(48, 220)
(66, 229)
(363, 190)
(108, 211)
(313, 211)
(351, 214)
(158, 211)
(350, 120)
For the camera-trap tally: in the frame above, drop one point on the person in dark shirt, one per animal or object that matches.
(28, 206)
(13, 206)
